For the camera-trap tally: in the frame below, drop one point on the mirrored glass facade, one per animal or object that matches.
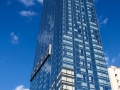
(69, 53)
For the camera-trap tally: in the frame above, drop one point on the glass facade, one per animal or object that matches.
(69, 53)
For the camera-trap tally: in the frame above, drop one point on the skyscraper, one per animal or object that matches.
(69, 53)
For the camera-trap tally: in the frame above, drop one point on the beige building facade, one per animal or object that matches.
(114, 75)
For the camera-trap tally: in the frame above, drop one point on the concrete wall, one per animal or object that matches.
(114, 75)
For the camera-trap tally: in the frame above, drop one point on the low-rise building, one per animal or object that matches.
(114, 75)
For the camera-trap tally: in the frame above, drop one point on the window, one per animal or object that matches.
(88, 59)
(82, 63)
(81, 51)
(69, 53)
(81, 57)
(87, 47)
(64, 78)
(117, 80)
(102, 81)
(89, 65)
(84, 84)
(87, 53)
(115, 75)
(84, 77)
(92, 86)
(64, 86)
(118, 87)
(101, 88)
(68, 72)
(91, 79)
(69, 79)
(83, 70)
(79, 75)
(67, 87)
(68, 66)
(66, 59)
(90, 71)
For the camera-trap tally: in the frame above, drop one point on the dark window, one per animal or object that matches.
(79, 31)
(118, 87)
(83, 63)
(84, 77)
(117, 80)
(91, 79)
(81, 52)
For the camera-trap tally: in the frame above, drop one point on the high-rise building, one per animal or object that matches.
(69, 53)
(114, 75)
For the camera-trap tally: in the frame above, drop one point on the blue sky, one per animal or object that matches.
(19, 25)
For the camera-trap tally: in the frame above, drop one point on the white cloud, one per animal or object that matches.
(9, 2)
(40, 1)
(28, 13)
(113, 60)
(99, 19)
(107, 60)
(14, 38)
(27, 2)
(51, 21)
(47, 35)
(21, 87)
(47, 68)
(104, 21)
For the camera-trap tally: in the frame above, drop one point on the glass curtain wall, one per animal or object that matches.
(77, 59)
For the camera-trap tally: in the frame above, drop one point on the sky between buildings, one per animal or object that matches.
(19, 25)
